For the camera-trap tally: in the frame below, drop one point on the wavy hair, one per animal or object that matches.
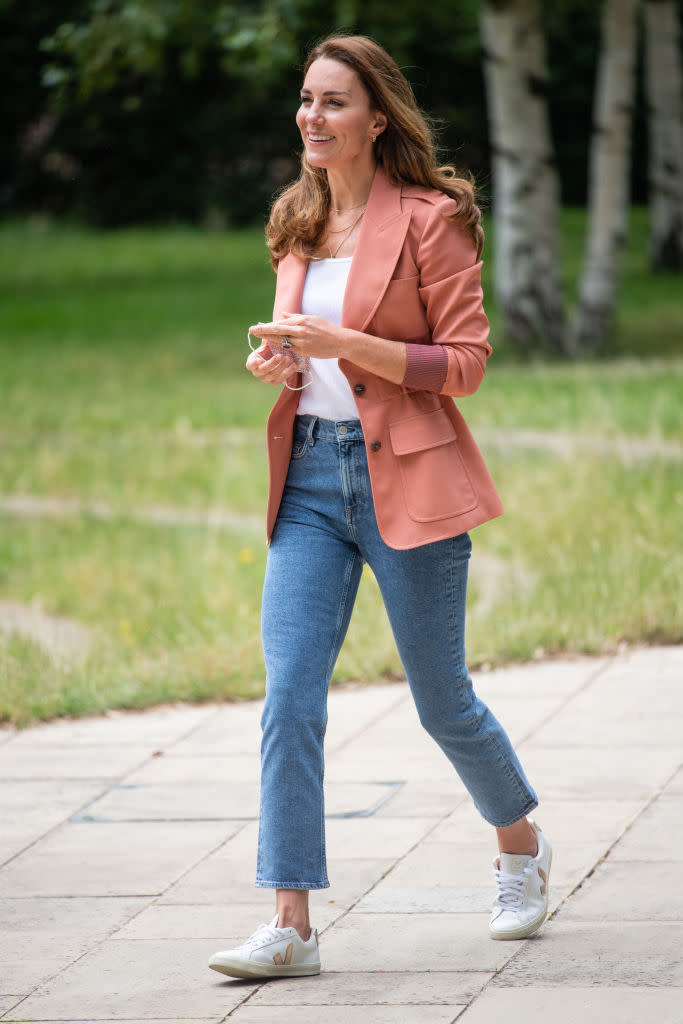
(406, 151)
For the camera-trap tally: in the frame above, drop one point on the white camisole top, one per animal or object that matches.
(328, 395)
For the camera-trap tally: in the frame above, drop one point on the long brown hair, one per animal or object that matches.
(405, 149)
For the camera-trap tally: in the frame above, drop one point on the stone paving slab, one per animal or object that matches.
(109, 860)
(438, 900)
(599, 772)
(30, 808)
(147, 979)
(226, 924)
(175, 801)
(439, 865)
(675, 786)
(408, 942)
(381, 837)
(624, 891)
(344, 1014)
(587, 724)
(114, 920)
(658, 833)
(599, 1005)
(7, 1002)
(441, 900)
(220, 774)
(225, 729)
(519, 721)
(612, 953)
(225, 927)
(142, 798)
(563, 678)
(403, 728)
(361, 709)
(350, 879)
(423, 799)
(156, 727)
(105, 762)
(569, 822)
(663, 664)
(40, 937)
(391, 988)
(216, 879)
(377, 758)
(234, 728)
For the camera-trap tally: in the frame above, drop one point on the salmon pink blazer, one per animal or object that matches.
(414, 278)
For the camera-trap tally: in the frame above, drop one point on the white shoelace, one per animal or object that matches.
(263, 934)
(511, 888)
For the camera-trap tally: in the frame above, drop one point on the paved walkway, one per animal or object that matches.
(127, 845)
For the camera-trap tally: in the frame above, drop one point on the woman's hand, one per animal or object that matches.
(272, 369)
(314, 336)
(308, 335)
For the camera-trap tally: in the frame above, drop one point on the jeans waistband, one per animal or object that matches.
(316, 428)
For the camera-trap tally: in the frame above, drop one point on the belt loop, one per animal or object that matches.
(311, 427)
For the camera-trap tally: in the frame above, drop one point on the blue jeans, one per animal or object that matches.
(326, 530)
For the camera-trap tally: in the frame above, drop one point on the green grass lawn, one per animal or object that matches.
(124, 403)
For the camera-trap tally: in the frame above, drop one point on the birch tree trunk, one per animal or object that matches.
(525, 184)
(665, 122)
(609, 174)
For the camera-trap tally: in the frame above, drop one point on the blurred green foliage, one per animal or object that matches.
(122, 112)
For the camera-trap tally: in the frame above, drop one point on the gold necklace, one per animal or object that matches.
(334, 209)
(340, 231)
(333, 255)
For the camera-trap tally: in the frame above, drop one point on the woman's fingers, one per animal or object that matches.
(291, 325)
(274, 370)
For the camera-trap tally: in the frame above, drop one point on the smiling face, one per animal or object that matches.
(335, 119)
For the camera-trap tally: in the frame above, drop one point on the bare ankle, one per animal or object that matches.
(292, 909)
(519, 838)
(302, 927)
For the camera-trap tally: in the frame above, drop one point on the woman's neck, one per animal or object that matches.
(349, 191)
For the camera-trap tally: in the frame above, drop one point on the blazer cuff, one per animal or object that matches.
(426, 367)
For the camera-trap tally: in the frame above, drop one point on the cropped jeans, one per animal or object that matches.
(325, 532)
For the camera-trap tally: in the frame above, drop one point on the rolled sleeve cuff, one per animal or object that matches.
(426, 367)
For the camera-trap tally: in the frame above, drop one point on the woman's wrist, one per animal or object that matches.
(380, 356)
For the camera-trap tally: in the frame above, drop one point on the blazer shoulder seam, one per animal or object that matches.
(421, 192)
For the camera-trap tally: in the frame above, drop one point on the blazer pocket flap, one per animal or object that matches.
(418, 433)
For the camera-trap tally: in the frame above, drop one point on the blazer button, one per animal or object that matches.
(359, 389)
(375, 446)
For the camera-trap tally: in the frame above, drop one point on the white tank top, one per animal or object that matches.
(328, 395)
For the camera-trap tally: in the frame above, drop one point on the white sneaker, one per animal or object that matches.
(271, 952)
(521, 905)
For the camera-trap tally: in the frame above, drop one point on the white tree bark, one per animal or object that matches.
(609, 173)
(525, 184)
(665, 122)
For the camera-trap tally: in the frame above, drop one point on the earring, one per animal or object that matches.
(374, 138)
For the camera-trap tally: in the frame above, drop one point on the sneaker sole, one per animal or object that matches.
(242, 970)
(521, 933)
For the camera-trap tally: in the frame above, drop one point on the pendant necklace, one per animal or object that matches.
(347, 231)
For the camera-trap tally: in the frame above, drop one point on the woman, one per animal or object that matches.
(378, 321)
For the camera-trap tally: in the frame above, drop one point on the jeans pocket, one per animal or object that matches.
(300, 447)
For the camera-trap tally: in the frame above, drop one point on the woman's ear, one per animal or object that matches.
(379, 124)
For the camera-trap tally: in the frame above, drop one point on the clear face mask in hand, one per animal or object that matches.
(303, 362)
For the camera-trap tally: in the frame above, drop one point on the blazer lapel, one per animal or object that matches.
(379, 246)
